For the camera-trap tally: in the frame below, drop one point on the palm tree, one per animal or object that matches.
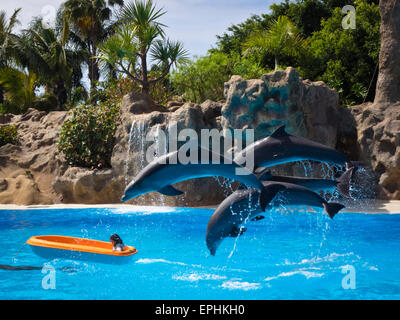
(45, 52)
(140, 35)
(87, 23)
(282, 37)
(6, 40)
(19, 87)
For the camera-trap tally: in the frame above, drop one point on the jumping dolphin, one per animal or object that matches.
(166, 170)
(241, 206)
(281, 147)
(342, 184)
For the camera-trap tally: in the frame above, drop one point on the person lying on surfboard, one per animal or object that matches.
(118, 244)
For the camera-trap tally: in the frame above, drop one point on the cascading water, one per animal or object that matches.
(136, 144)
(136, 156)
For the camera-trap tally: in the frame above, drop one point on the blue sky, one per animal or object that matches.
(194, 22)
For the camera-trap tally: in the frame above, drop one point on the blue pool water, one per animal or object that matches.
(288, 255)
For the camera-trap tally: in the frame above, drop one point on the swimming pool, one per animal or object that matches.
(288, 255)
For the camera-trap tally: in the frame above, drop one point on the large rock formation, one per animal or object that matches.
(27, 170)
(388, 84)
(309, 109)
(372, 132)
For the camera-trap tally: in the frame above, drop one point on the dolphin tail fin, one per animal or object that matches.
(343, 182)
(332, 208)
(170, 191)
(266, 196)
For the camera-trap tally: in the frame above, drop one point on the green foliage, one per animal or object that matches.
(202, 78)
(141, 34)
(345, 59)
(20, 88)
(8, 134)
(87, 139)
(281, 38)
(85, 24)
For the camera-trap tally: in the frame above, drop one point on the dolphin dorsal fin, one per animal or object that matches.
(280, 132)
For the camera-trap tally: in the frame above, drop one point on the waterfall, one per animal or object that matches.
(136, 143)
(136, 152)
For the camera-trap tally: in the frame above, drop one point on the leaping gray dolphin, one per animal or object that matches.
(281, 147)
(342, 184)
(166, 170)
(241, 206)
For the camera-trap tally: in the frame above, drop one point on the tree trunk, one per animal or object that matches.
(93, 67)
(1, 95)
(276, 62)
(61, 93)
(145, 84)
(388, 83)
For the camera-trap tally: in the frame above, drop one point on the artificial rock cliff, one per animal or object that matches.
(35, 173)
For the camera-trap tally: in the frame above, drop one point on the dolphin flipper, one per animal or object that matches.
(237, 232)
(170, 191)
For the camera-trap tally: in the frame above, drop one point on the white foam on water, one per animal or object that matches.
(194, 277)
(240, 285)
(314, 260)
(305, 272)
(149, 261)
(143, 210)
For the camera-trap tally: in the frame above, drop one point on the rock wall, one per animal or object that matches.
(372, 130)
(27, 170)
(308, 109)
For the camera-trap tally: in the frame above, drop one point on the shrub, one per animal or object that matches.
(87, 139)
(8, 134)
(202, 78)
